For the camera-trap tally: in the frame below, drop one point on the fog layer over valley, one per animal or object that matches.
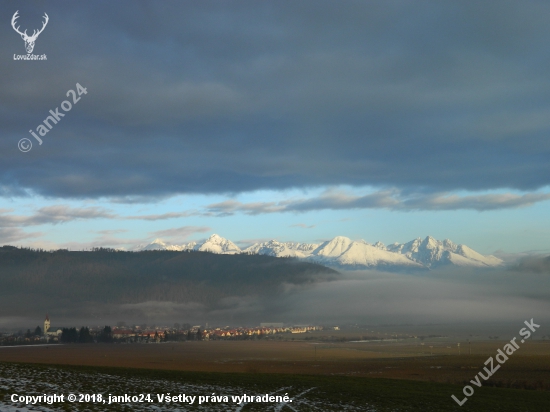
(93, 288)
(443, 297)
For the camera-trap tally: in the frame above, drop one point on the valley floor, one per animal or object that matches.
(318, 376)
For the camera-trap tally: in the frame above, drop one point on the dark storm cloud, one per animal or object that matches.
(210, 97)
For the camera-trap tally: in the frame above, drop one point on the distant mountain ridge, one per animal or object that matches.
(342, 252)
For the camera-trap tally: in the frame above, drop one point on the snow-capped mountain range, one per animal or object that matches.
(342, 252)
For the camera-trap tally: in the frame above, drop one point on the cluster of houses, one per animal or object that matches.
(9, 339)
(196, 333)
(138, 334)
(237, 333)
(46, 335)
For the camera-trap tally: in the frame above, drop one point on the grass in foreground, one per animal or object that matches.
(310, 393)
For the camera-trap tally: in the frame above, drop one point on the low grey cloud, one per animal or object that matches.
(128, 200)
(303, 226)
(475, 202)
(328, 200)
(515, 257)
(63, 214)
(180, 232)
(386, 199)
(229, 207)
(162, 216)
(444, 296)
(12, 234)
(53, 215)
(160, 310)
(534, 264)
(203, 97)
(109, 232)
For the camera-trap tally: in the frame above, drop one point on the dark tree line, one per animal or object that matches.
(29, 334)
(69, 335)
(72, 335)
(106, 335)
(105, 276)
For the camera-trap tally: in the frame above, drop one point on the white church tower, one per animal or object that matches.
(46, 325)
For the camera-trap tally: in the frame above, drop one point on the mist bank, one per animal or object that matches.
(250, 295)
(439, 297)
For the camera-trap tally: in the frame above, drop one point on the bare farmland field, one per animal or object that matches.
(434, 361)
(319, 376)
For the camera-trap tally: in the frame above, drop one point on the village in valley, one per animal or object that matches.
(121, 333)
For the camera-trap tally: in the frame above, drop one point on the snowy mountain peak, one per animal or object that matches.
(334, 247)
(430, 241)
(281, 249)
(433, 253)
(345, 253)
(340, 239)
(156, 244)
(215, 238)
(159, 244)
(218, 244)
(449, 245)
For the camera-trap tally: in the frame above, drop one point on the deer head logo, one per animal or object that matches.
(29, 40)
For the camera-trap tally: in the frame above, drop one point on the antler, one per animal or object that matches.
(35, 34)
(13, 22)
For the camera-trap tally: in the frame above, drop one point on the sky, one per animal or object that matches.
(376, 120)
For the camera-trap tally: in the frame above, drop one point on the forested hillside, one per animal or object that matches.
(30, 278)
